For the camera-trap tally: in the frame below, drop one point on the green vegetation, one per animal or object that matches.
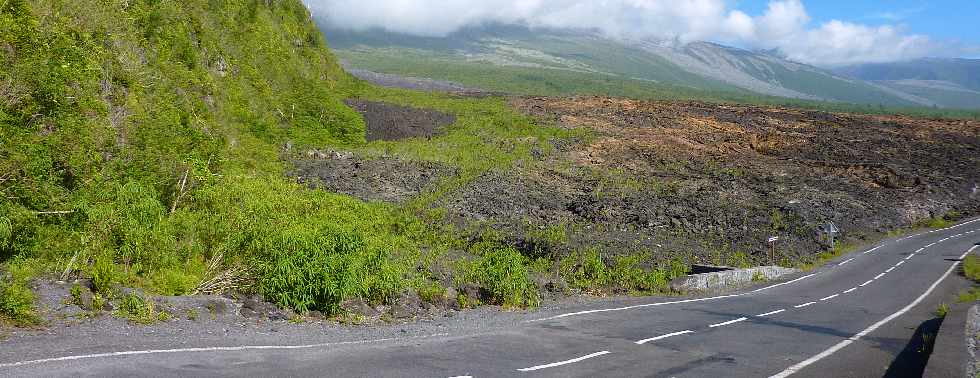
(16, 304)
(317, 269)
(586, 270)
(971, 269)
(140, 141)
(503, 272)
(942, 310)
(140, 310)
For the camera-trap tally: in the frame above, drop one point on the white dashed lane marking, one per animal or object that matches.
(566, 362)
(771, 312)
(730, 322)
(845, 261)
(866, 283)
(829, 298)
(879, 276)
(848, 291)
(841, 345)
(805, 304)
(644, 341)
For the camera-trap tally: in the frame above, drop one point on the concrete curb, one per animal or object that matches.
(728, 279)
(950, 355)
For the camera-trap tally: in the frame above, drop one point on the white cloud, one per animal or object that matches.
(785, 25)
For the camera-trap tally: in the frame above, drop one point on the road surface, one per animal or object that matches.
(854, 317)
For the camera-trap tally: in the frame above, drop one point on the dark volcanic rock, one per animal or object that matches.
(380, 179)
(393, 122)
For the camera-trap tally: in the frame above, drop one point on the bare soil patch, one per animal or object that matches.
(393, 122)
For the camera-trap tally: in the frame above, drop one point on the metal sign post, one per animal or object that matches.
(831, 230)
(772, 249)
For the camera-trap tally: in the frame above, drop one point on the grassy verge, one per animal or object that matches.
(971, 269)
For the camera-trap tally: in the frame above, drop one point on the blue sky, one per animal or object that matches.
(951, 20)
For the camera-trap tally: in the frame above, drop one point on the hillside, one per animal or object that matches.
(163, 152)
(140, 141)
(561, 62)
(948, 82)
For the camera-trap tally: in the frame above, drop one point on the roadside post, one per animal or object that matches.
(772, 249)
(831, 230)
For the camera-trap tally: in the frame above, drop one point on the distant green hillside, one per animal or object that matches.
(953, 83)
(540, 61)
(963, 72)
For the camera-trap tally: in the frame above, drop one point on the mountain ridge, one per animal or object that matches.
(698, 65)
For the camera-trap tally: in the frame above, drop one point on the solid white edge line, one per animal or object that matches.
(566, 362)
(796, 368)
(804, 305)
(771, 312)
(730, 322)
(210, 349)
(829, 298)
(848, 291)
(644, 341)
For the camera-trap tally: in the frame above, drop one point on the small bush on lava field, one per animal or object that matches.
(585, 270)
(140, 310)
(503, 273)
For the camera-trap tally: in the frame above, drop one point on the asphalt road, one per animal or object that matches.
(859, 316)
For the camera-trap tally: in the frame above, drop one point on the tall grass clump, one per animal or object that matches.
(17, 304)
(317, 270)
(633, 273)
(503, 273)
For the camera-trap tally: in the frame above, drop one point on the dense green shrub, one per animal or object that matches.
(317, 270)
(503, 273)
(103, 273)
(17, 303)
(633, 273)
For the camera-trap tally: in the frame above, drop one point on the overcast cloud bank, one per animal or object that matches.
(785, 25)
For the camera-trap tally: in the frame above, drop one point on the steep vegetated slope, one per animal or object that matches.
(140, 145)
